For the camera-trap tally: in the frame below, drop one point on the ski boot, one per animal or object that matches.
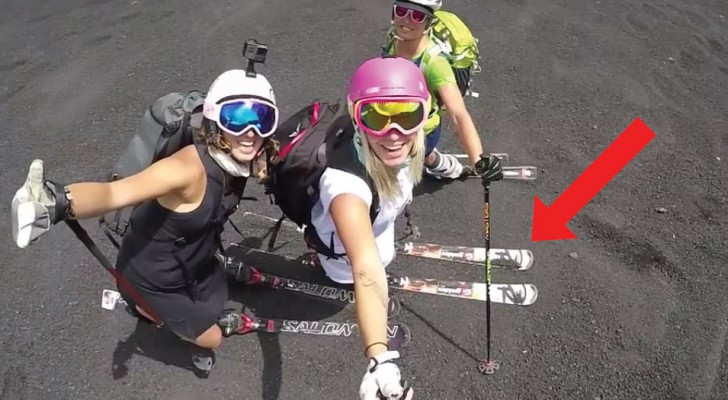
(203, 359)
(446, 166)
(236, 323)
(311, 259)
(240, 272)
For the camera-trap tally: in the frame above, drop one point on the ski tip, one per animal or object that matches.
(535, 294)
(512, 259)
(520, 173)
(531, 294)
(527, 260)
(516, 294)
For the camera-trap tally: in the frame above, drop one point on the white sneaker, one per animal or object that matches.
(449, 167)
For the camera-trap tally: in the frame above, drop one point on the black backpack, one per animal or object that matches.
(166, 127)
(316, 137)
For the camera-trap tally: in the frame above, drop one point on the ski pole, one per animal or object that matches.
(124, 284)
(488, 365)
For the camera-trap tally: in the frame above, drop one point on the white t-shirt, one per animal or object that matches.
(334, 182)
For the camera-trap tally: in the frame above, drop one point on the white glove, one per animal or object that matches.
(33, 207)
(383, 380)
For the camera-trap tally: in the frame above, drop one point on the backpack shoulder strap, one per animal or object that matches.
(342, 155)
(432, 51)
(389, 43)
(228, 203)
(211, 168)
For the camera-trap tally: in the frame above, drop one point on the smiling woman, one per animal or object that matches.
(378, 161)
(235, 125)
(182, 203)
(410, 37)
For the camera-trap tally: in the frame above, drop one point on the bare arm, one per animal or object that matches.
(171, 174)
(351, 217)
(464, 126)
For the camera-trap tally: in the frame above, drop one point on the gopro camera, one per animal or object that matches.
(255, 52)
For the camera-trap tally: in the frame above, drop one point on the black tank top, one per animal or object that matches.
(167, 250)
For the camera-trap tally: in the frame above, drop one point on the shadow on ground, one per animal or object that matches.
(260, 301)
(157, 344)
(429, 185)
(438, 332)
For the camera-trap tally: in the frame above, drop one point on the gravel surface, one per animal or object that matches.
(634, 309)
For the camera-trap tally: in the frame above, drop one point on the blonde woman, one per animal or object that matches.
(378, 161)
(183, 201)
(388, 102)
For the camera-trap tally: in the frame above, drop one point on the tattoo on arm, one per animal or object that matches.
(368, 282)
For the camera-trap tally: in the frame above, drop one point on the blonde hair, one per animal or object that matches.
(384, 177)
(211, 135)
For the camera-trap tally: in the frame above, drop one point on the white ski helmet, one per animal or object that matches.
(235, 83)
(434, 5)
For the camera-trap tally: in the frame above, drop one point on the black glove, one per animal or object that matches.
(489, 168)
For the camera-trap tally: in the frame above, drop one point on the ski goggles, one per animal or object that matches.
(417, 16)
(237, 116)
(377, 117)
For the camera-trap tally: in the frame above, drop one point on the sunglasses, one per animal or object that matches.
(237, 116)
(377, 117)
(415, 15)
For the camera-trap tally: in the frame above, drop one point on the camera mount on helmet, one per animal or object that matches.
(255, 52)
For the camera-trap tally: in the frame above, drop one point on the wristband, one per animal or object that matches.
(375, 343)
(63, 207)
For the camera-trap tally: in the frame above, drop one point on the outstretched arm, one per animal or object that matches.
(353, 225)
(171, 174)
(464, 126)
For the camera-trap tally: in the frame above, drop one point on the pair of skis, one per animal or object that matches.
(503, 293)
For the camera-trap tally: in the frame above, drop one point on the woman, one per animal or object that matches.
(411, 23)
(183, 201)
(388, 103)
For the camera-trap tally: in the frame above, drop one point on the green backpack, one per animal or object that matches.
(455, 41)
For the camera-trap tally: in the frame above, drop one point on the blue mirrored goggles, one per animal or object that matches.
(237, 116)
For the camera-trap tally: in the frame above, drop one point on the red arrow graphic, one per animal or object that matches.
(549, 223)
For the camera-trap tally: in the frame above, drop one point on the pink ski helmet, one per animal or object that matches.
(388, 78)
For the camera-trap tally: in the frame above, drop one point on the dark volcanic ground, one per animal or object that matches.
(640, 313)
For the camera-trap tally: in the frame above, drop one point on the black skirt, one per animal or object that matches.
(188, 311)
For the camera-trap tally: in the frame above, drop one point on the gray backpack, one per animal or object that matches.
(166, 127)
